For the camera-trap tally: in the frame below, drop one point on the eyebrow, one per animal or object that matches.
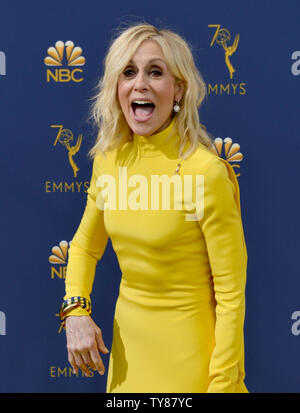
(152, 60)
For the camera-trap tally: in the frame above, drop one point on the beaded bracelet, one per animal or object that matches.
(69, 305)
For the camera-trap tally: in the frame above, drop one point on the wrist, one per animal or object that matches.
(77, 306)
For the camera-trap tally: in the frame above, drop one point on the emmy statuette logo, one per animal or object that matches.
(223, 38)
(64, 137)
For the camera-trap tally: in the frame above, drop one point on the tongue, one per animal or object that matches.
(144, 112)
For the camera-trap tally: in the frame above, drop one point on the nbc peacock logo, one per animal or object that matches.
(226, 149)
(59, 259)
(64, 53)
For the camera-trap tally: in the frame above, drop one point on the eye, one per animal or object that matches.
(128, 72)
(156, 72)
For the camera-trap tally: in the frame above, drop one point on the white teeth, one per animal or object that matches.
(141, 101)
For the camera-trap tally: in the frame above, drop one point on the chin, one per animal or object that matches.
(143, 128)
(147, 128)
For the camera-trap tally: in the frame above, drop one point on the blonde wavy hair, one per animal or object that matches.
(106, 112)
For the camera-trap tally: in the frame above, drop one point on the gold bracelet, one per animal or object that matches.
(70, 304)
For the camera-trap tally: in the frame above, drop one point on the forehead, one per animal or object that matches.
(148, 51)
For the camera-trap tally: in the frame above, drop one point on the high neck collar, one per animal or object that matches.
(165, 141)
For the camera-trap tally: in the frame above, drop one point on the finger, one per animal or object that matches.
(95, 356)
(92, 365)
(87, 359)
(100, 342)
(72, 362)
(79, 361)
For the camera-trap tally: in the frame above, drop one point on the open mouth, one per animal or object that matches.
(142, 110)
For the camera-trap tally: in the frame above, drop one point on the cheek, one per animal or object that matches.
(122, 95)
(166, 94)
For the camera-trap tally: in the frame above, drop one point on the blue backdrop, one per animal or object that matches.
(253, 99)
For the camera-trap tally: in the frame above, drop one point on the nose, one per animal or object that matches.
(140, 81)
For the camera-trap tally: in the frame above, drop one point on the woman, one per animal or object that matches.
(178, 324)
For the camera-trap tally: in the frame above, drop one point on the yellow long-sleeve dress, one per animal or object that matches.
(179, 317)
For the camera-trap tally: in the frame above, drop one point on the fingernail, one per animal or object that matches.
(101, 372)
(106, 349)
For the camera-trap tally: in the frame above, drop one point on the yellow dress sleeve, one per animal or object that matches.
(86, 248)
(224, 236)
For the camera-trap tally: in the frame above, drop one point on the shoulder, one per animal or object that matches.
(219, 169)
(205, 161)
(221, 181)
(219, 175)
(106, 162)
